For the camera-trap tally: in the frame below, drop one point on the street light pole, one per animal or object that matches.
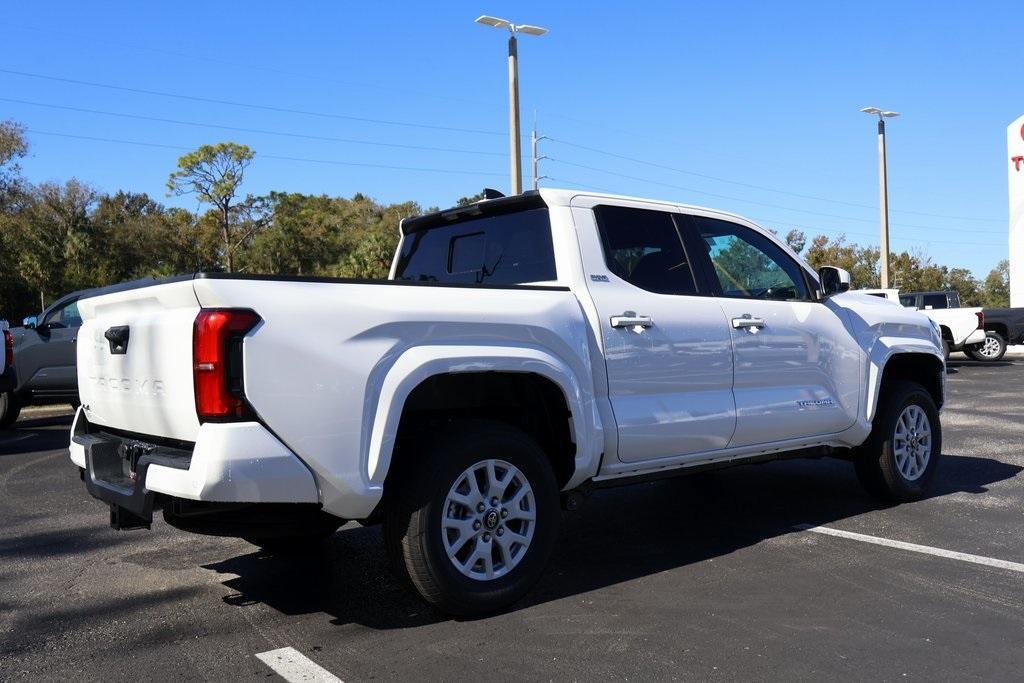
(883, 191)
(515, 148)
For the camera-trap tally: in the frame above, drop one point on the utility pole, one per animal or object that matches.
(515, 148)
(533, 155)
(883, 191)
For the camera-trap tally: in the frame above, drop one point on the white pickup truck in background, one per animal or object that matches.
(526, 350)
(960, 327)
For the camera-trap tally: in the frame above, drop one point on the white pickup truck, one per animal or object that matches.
(960, 327)
(525, 351)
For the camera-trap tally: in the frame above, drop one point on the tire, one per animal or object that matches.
(886, 464)
(992, 349)
(473, 573)
(945, 350)
(10, 408)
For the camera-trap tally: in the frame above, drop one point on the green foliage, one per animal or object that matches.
(996, 289)
(13, 146)
(472, 199)
(214, 174)
(861, 262)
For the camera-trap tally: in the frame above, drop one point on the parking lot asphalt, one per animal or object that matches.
(702, 577)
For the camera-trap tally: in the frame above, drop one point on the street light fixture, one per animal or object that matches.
(883, 188)
(513, 90)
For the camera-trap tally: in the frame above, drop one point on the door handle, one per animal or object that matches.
(748, 323)
(631, 319)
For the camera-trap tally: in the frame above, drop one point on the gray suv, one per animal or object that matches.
(44, 359)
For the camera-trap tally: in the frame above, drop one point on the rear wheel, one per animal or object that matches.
(475, 519)
(897, 463)
(992, 349)
(10, 408)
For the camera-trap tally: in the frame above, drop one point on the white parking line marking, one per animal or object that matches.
(292, 665)
(913, 547)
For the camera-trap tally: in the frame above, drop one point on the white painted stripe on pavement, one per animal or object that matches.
(913, 547)
(292, 665)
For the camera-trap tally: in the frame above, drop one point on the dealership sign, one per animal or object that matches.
(1015, 169)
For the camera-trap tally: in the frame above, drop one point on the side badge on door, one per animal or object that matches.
(599, 278)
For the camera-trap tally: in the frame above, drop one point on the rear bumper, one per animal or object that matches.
(975, 337)
(229, 463)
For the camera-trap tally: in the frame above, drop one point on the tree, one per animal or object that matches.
(961, 281)
(796, 240)
(996, 290)
(472, 199)
(861, 262)
(214, 173)
(13, 146)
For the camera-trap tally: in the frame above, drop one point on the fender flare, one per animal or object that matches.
(878, 359)
(419, 363)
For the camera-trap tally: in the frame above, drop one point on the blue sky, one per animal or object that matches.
(749, 107)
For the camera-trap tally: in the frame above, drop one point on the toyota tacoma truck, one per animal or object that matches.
(962, 329)
(525, 351)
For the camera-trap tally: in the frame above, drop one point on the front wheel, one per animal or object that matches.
(992, 349)
(897, 462)
(475, 518)
(10, 408)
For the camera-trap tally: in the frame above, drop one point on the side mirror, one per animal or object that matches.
(29, 322)
(833, 280)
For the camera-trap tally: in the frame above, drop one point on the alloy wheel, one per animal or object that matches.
(488, 520)
(912, 442)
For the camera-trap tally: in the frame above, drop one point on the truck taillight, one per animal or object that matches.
(981, 319)
(217, 363)
(8, 349)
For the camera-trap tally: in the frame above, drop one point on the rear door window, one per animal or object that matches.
(644, 248)
(934, 301)
(504, 249)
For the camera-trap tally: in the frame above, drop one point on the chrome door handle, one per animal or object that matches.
(748, 323)
(631, 319)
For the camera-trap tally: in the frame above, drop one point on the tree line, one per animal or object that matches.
(60, 237)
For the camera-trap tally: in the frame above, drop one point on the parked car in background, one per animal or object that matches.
(962, 328)
(43, 356)
(6, 361)
(525, 350)
(1003, 326)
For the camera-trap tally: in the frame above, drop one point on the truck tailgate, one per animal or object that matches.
(144, 385)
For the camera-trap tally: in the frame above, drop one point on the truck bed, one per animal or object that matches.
(317, 363)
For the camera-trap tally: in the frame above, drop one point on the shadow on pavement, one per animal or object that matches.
(619, 535)
(36, 434)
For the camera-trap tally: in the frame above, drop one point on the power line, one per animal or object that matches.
(261, 131)
(249, 105)
(332, 162)
(757, 187)
(256, 67)
(752, 201)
